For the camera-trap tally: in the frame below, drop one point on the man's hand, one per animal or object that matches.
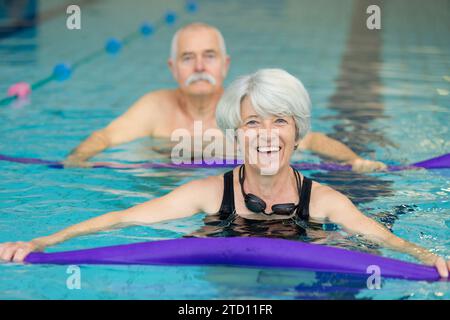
(364, 165)
(17, 251)
(337, 151)
(76, 163)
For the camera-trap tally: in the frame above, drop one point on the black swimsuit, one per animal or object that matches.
(229, 224)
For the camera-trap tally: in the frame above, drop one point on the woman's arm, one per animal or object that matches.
(181, 202)
(325, 146)
(340, 210)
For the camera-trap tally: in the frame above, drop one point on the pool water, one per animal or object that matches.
(384, 93)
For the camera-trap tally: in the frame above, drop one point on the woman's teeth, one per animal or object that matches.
(268, 149)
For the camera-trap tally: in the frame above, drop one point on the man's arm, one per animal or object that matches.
(137, 122)
(325, 146)
(94, 144)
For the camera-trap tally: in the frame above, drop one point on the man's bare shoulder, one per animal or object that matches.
(164, 100)
(144, 116)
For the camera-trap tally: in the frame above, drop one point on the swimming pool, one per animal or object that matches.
(398, 110)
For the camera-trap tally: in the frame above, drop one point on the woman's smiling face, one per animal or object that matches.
(269, 141)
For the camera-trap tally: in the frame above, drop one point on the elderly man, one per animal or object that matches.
(199, 64)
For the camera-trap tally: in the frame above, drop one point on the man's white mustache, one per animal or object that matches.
(200, 76)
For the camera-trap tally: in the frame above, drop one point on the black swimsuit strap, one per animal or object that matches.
(227, 206)
(305, 196)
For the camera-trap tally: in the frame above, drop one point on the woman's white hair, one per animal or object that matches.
(271, 92)
(196, 25)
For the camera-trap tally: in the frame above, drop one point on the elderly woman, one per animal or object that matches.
(270, 110)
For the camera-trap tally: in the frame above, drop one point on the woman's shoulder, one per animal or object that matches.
(210, 182)
(209, 190)
(319, 190)
(324, 199)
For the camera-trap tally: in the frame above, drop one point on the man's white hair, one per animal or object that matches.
(196, 25)
(271, 92)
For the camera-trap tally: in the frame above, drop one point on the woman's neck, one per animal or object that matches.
(268, 187)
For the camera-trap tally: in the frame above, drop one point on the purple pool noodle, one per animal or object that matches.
(26, 160)
(240, 251)
(434, 163)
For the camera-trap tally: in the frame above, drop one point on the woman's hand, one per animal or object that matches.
(17, 251)
(442, 266)
(364, 165)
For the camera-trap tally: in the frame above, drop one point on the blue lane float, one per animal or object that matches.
(243, 252)
(62, 71)
(147, 29)
(113, 46)
(191, 6)
(170, 17)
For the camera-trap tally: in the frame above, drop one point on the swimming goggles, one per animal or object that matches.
(258, 205)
